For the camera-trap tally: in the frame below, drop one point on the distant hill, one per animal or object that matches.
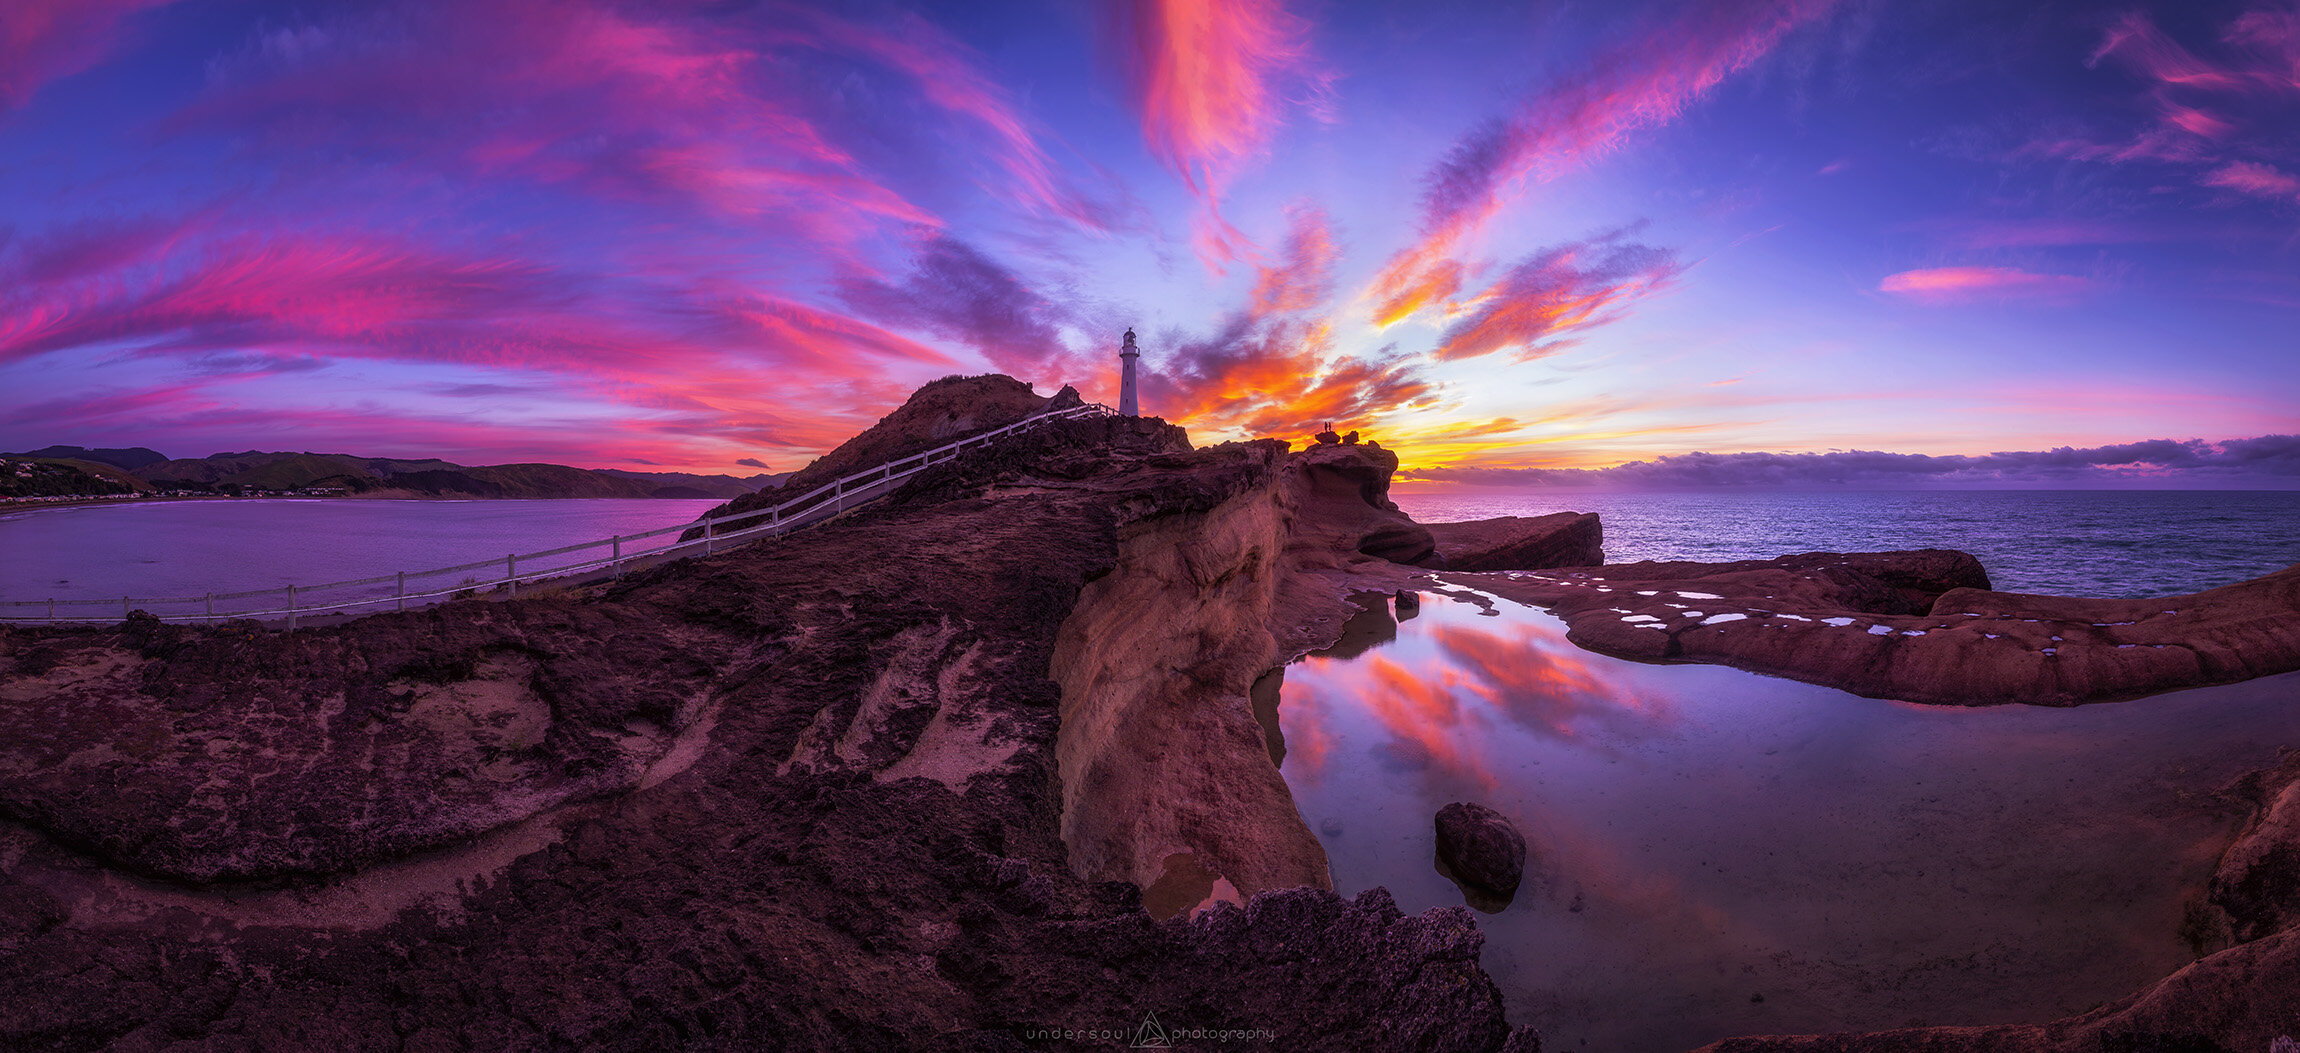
(23, 476)
(132, 458)
(118, 471)
(707, 485)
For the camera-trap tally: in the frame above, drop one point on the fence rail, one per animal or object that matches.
(583, 561)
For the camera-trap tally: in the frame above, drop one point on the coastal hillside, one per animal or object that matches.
(937, 414)
(108, 471)
(25, 476)
(128, 459)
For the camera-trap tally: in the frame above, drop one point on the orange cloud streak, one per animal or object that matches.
(1272, 368)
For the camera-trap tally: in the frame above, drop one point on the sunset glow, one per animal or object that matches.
(1503, 240)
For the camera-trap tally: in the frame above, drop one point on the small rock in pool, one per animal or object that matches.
(1481, 847)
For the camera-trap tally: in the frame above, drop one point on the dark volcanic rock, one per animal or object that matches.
(1481, 847)
(1561, 539)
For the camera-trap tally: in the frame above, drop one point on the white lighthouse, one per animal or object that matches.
(1127, 405)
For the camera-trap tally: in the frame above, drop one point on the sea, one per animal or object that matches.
(2121, 543)
(191, 548)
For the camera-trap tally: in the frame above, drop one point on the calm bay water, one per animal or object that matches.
(190, 548)
(1717, 853)
(2056, 542)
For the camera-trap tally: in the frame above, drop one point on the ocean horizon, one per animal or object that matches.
(2126, 543)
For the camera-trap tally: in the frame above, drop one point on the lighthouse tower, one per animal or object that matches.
(1127, 406)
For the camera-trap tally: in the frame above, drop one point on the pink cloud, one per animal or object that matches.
(681, 369)
(1205, 77)
(1644, 82)
(2257, 180)
(1558, 292)
(2265, 56)
(45, 40)
(948, 76)
(792, 123)
(2221, 112)
(1947, 285)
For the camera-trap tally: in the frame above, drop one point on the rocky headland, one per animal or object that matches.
(896, 782)
(990, 763)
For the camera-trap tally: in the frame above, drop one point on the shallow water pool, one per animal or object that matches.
(1717, 853)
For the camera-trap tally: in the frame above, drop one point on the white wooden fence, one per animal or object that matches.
(590, 560)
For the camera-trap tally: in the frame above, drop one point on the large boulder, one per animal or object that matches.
(1481, 847)
(1561, 539)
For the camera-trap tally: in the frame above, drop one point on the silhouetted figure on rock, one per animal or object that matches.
(1327, 437)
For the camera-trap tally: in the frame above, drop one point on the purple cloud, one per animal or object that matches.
(2270, 460)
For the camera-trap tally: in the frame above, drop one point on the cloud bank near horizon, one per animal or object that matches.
(2261, 462)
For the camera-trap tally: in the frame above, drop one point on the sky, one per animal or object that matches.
(1740, 241)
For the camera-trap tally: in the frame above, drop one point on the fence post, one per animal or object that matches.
(402, 601)
(839, 494)
(616, 559)
(124, 608)
(51, 608)
(708, 527)
(291, 608)
(211, 608)
(511, 572)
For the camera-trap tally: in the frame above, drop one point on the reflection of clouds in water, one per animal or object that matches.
(1698, 834)
(1305, 718)
(1435, 701)
(1423, 717)
(1547, 687)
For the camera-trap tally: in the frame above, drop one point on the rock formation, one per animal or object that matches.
(859, 787)
(1562, 539)
(1345, 511)
(1481, 847)
(1921, 627)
